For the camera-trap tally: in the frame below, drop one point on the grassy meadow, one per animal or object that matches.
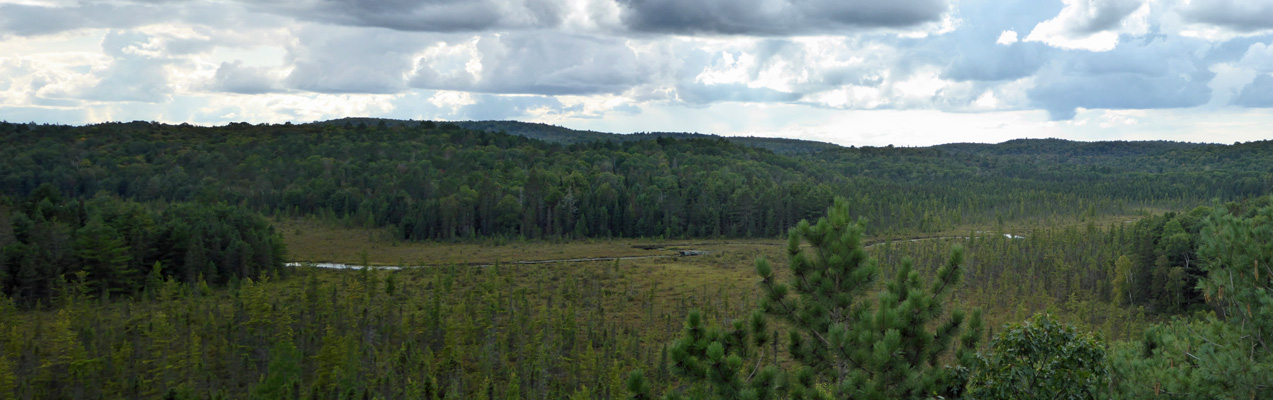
(724, 280)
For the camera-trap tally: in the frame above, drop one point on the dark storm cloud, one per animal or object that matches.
(1257, 94)
(1238, 15)
(541, 63)
(423, 15)
(777, 17)
(1160, 74)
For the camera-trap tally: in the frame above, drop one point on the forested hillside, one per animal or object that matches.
(580, 330)
(562, 135)
(431, 181)
(147, 259)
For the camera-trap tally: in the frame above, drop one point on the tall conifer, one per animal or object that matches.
(846, 343)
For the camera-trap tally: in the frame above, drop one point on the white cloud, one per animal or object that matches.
(1233, 82)
(921, 87)
(1258, 57)
(1093, 25)
(451, 99)
(1120, 118)
(728, 70)
(1007, 37)
(605, 63)
(279, 108)
(46, 70)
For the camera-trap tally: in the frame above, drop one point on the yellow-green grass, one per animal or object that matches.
(313, 241)
(309, 240)
(726, 272)
(1025, 226)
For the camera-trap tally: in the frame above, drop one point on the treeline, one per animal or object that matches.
(429, 181)
(578, 330)
(1104, 278)
(846, 348)
(112, 247)
(1162, 270)
(1222, 350)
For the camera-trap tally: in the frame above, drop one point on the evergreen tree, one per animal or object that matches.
(862, 349)
(8, 379)
(513, 391)
(1123, 283)
(104, 255)
(284, 374)
(1223, 356)
(154, 281)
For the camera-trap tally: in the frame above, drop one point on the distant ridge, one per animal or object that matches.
(1057, 150)
(563, 135)
(1062, 147)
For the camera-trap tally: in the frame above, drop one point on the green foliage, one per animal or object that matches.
(1198, 358)
(427, 181)
(638, 386)
(838, 336)
(331, 334)
(1123, 280)
(123, 248)
(514, 390)
(283, 376)
(8, 381)
(1210, 356)
(557, 134)
(1237, 254)
(1041, 359)
(1165, 269)
(713, 360)
(104, 255)
(162, 209)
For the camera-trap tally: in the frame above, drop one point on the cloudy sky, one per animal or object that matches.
(852, 72)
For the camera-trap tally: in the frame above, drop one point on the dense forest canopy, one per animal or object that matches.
(145, 256)
(441, 181)
(114, 247)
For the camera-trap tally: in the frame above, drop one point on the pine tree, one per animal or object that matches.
(1214, 356)
(284, 373)
(637, 386)
(514, 390)
(105, 256)
(882, 353)
(8, 379)
(154, 281)
(1123, 285)
(840, 338)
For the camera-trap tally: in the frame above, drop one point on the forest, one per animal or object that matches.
(147, 260)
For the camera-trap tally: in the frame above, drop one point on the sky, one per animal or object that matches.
(850, 72)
